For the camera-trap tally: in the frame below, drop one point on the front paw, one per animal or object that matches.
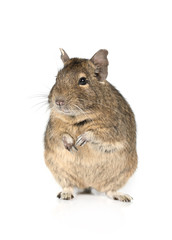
(84, 138)
(69, 143)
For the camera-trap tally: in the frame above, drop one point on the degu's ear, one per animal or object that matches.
(101, 62)
(64, 56)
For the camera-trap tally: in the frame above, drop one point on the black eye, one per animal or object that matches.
(82, 81)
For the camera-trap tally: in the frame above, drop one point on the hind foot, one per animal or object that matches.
(119, 196)
(66, 194)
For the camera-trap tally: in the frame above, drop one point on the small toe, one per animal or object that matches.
(123, 198)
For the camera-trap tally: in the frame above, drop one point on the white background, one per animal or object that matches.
(138, 36)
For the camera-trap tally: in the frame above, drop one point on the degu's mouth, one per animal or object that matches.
(66, 111)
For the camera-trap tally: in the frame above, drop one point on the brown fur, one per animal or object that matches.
(102, 118)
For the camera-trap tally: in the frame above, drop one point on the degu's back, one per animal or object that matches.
(90, 139)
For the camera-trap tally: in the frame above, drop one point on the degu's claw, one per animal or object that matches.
(80, 141)
(74, 148)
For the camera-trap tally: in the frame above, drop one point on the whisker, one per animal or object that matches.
(39, 96)
(102, 105)
(82, 111)
(73, 111)
(41, 107)
(40, 103)
(97, 115)
(41, 100)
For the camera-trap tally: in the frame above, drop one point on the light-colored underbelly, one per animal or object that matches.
(89, 166)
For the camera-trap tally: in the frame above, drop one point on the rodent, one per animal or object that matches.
(90, 139)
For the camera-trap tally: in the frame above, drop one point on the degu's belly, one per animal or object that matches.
(88, 167)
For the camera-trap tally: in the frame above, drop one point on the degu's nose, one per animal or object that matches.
(59, 102)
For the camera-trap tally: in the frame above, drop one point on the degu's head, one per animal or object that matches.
(79, 84)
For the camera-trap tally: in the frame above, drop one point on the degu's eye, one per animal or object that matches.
(82, 81)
